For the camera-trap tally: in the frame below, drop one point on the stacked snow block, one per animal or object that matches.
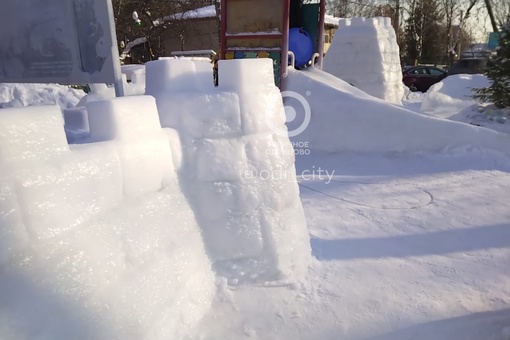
(365, 53)
(132, 124)
(238, 165)
(100, 229)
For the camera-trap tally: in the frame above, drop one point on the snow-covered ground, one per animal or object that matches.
(406, 246)
(408, 216)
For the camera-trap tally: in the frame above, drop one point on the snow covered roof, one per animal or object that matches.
(199, 13)
(331, 20)
(130, 45)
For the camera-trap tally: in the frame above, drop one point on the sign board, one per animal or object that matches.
(58, 41)
(493, 40)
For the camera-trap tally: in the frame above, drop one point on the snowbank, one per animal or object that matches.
(18, 95)
(345, 118)
(453, 94)
(97, 241)
(238, 164)
(364, 53)
(486, 115)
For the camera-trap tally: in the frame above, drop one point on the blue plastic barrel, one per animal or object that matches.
(301, 44)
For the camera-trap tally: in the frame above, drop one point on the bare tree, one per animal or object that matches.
(450, 7)
(156, 17)
(423, 31)
(352, 8)
(501, 10)
(455, 44)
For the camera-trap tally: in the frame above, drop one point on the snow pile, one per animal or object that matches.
(364, 53)
(453, 94)
(18, 95)
(345, 118)
(486, 115)
(238, 166)
(97, 240)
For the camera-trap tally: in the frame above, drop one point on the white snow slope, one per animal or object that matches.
(344, 118)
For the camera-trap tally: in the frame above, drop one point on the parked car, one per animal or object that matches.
(468, 66)
(421, 78)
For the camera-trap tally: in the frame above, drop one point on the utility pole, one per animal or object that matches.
(491, 15)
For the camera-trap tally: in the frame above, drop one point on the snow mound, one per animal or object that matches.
(345, 118)
(19, 95)
(485, 115)
(453, 94)
(97, 241)
(365, 53)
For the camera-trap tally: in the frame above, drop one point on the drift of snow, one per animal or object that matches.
(452, 94)
(452, 99)
(344, 118)
(18, 95)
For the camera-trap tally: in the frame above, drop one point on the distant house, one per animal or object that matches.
(191, 30)
(198, 30)
(330, 27)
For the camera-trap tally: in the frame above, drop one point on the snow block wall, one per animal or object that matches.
(239, 169)
(97, 241)
(365, 53)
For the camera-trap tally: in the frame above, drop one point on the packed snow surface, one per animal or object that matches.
(406, 246)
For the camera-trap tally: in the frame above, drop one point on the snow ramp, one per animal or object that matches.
(344, 118)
